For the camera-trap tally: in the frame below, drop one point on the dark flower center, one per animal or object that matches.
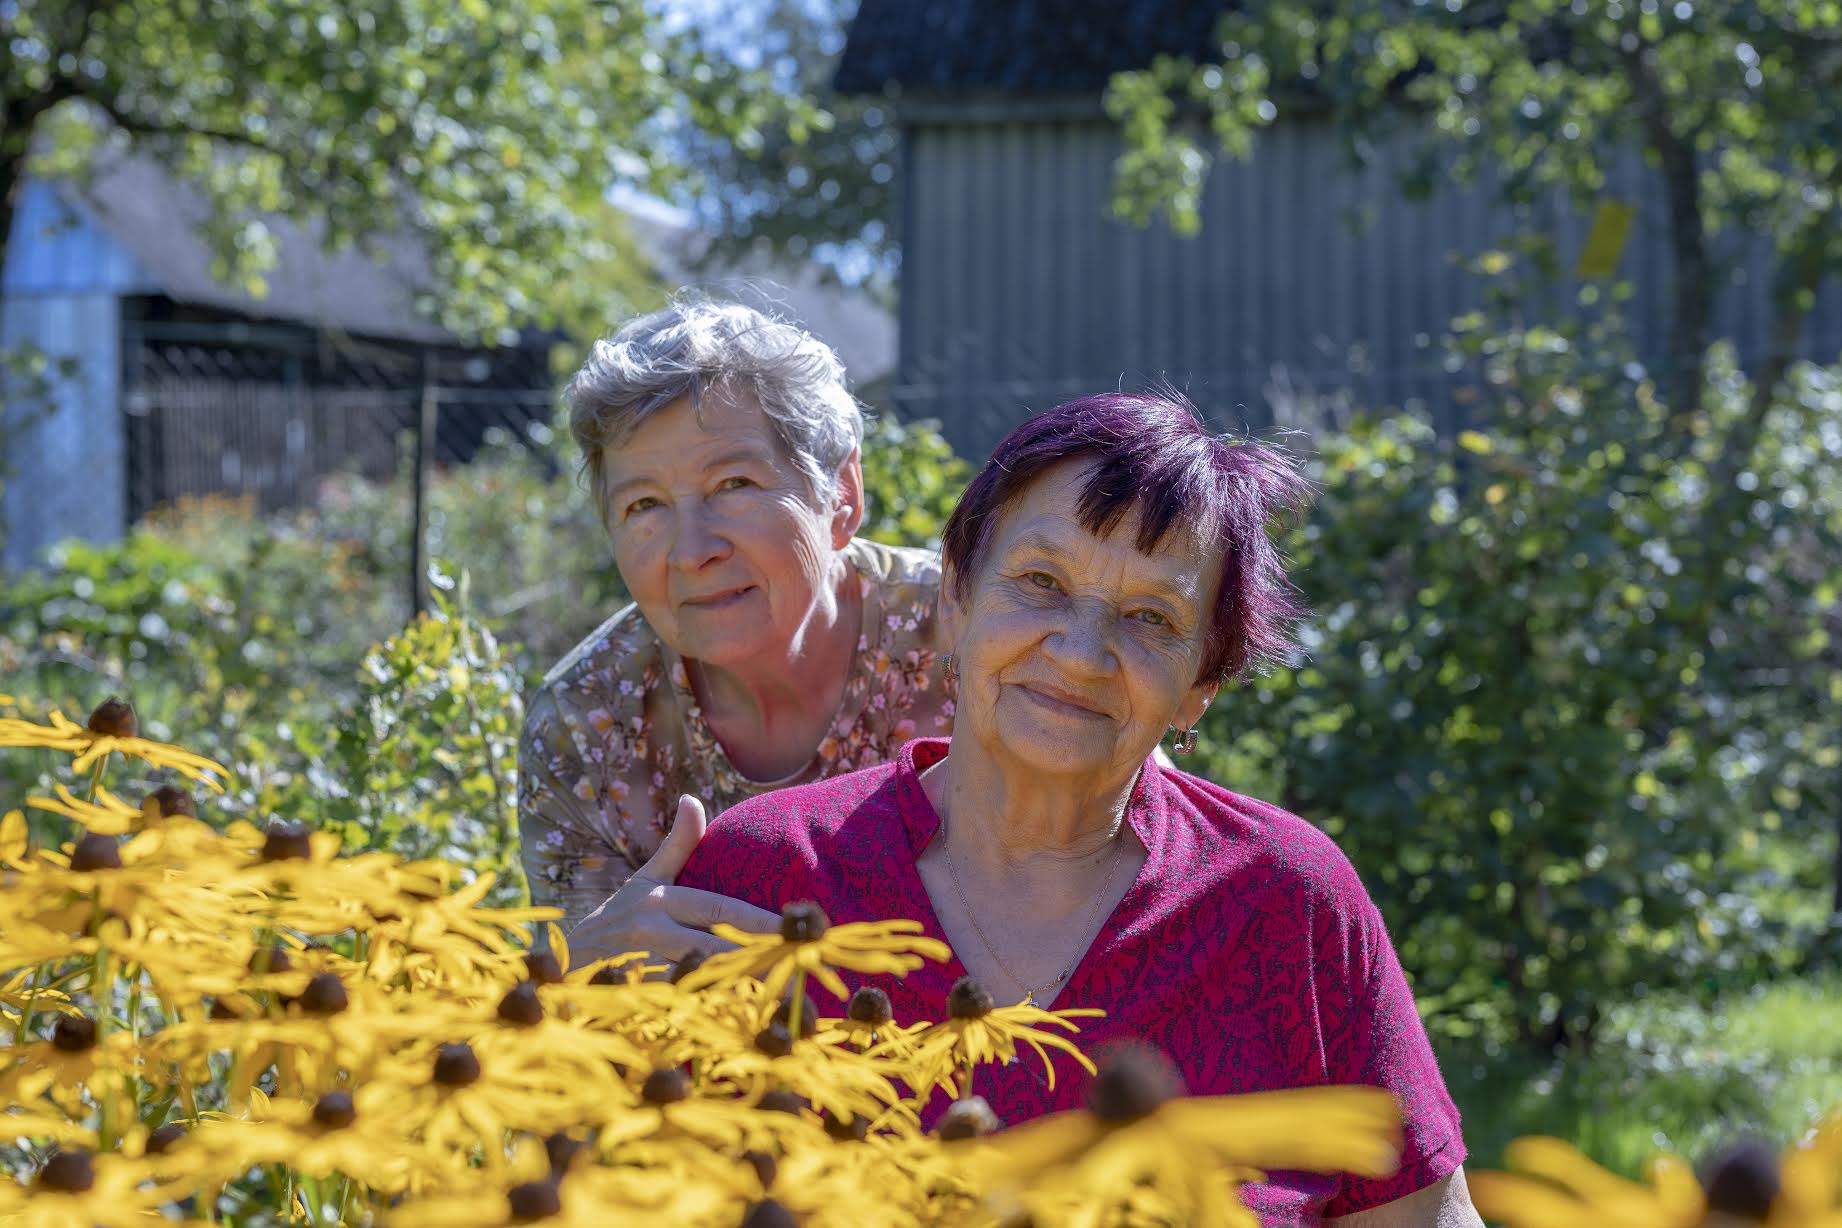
(520, 1005)
(164, 1137)
(1132, 1083)
(766, 1166)
(608, 974)
(1742, 1181)
(562, 1151)
(96, 852)
(170, 800)
(871, 1006)
(774, 1040)
(286, 841)
(969, 1000)
(852, 1129)
(74, 1033)
(543, 967)
(968, 1118)
(769, 1214)
(781, 1100)
(665, 1086)
(803, 921)
(114, 718)
(808, 1016)
(324, 995)
(275, 959)
(222, 1009)
(534, 1200)
(688, 963)
(68, 1172)
(335, 1110)
(456, 1066)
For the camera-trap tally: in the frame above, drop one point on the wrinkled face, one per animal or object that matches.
(716, 534)
(1076, 652)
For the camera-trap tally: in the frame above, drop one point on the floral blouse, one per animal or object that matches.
(614, 735)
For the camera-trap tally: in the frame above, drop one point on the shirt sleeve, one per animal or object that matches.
(1376, 1039)
(572, 812)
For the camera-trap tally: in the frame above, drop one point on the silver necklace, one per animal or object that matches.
(1088, 930)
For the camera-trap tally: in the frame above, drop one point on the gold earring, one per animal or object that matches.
(1186, 741)
(950, 666)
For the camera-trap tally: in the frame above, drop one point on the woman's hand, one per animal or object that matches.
(649, 914)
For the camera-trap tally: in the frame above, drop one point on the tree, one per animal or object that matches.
(819, 186)
(488, 132)
(1720, 95)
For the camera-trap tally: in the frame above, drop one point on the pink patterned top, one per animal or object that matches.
(1246, 950)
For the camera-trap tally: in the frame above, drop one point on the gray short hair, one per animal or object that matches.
(696, 346)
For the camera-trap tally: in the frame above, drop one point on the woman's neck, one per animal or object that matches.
(1006, 821)
(770, 711)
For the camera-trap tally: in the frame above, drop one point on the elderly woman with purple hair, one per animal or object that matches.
(1104, 574)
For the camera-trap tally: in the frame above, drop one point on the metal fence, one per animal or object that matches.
(272, 412)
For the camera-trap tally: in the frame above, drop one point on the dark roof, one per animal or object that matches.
(159, 221)
(1016, 46)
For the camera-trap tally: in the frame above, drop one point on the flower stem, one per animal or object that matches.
(798, 1007)
(96, 774)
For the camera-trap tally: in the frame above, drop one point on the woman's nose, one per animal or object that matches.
(1083, 645)
(696, 540)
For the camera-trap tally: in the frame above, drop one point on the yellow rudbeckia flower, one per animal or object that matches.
(111, 727)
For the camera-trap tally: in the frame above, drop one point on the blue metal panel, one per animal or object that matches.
(55, 248)
(65, 456)
(1311, 285)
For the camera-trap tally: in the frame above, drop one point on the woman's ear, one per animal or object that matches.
(1195, 703)
(951, 612)
(847, 506)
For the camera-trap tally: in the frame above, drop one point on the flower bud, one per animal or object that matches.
(74, 1033)
(969, 1000)
(520, 1006)
(665, 1085)
(852, 1129)
(769, 1214)
(780, 1100)
(1742, 1181)
(68, 1172)
(870, 1006)
(325, 995)
(774, 1040)
(170, 800)
(803, 921)
(335, 1111)
(114, 718)
(562, 1151)
(534, 1200)
(275, 959)
(688, 963)
(456, 1065)
(286, 841)
(766, 1166)
(808, 1016)
(968, 1118)
(1132, 1083)
(96, 852)
(163, 1137)
(543, 967)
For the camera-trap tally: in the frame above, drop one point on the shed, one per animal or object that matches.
(1310, 283)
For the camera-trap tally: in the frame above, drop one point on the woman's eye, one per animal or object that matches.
(735, 483)
(644, 503)
(1153, 617)
(1041, 580)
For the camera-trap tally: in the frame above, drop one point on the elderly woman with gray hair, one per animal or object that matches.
(766, 646)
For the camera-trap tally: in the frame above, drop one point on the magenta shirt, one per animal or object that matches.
(1246, 950)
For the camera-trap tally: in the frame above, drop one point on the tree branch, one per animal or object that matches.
(137, 126)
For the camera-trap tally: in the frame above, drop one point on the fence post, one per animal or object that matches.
(425, 465)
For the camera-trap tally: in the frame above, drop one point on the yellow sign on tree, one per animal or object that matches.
(1605, 242)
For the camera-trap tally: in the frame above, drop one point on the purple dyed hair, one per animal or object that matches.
(1152, 451)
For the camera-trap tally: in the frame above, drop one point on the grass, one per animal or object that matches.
(1670, 1074)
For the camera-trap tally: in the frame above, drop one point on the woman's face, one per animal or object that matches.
(723, 546)
(1076, 652)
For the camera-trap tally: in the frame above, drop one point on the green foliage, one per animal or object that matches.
(1676, 1073)
(487, 133)
(1565, 741)
(912, 479)
(424, 763)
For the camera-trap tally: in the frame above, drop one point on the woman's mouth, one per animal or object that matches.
(1059, 701)
(719, 600)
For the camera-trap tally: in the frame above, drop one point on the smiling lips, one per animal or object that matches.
(1058, 700)
(719, 599)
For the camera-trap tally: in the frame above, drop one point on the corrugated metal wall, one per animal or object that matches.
(1309, 280)
(64, 279)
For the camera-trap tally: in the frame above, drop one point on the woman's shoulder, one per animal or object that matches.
(788, 833)
(1257, 838)
(620, 651)
(896, 568)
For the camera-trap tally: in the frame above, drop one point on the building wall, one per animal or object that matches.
(62, 461)
(1308, 281)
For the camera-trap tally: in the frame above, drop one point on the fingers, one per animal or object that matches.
(657, 935)
(687, 829)
(702, 909)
